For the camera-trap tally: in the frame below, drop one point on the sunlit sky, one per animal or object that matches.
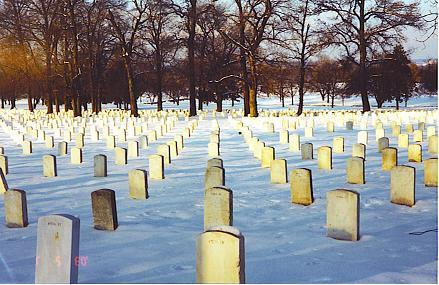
(422, 50)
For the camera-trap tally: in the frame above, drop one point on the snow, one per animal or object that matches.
(284, 243)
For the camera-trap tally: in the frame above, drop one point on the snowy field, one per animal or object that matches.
(284, 243)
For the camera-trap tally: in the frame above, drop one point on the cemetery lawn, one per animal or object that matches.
(284, 242)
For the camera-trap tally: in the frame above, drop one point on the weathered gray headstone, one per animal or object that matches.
(215, 162)
(307, 151)
(103, 204)
(100, 165)
(15, 208)
(383, 142)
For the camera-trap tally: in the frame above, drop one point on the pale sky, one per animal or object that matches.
(421, 50)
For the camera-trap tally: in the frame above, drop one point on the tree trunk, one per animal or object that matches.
(301, 88)
(243, 60)
(56, 102)
(363, 71)
(3, 103)
(159, 77)
(332, 101)
(253, 88)
(191, 57)
(29, 100)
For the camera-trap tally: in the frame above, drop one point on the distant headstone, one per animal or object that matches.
(27, 147)
(111, 142)
(173, 149)
(138, 184)
(309, 132)
(338, 145)
(152, 135)
(120, 156)
(389, 158)
(15, 205)
(383, 142)
(215, 162)
(417, 136)
(57, 249)
(49, 165)
(156, 167)
(62, 148)
(430, 172)
(355, 170)
(396, 130)
(133, 149)
(76, 155)
(402, 185)
(103, 204)
(218, 207)
(403, 140)
(220, 256)
(143, 142)
(306, 151)
(100, 165)
(359, 150)
(343, 214)
(214, 176)
(164, 151)
(283, 137)
(432, 144)
(324, 157)
(213, 149)
(415, 153)
(278, 171)
(349, 125)
(49, 142)
(301, 186)
(79, 141)
(379, 133)
(268, 155)
(330, 127)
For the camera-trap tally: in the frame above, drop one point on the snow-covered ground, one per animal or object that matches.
(284, 243)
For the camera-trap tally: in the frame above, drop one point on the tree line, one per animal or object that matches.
(73, 52)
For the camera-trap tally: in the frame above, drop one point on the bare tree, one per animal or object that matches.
(302, 40)
(160, 36)
(359, 27)
(127, 36)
